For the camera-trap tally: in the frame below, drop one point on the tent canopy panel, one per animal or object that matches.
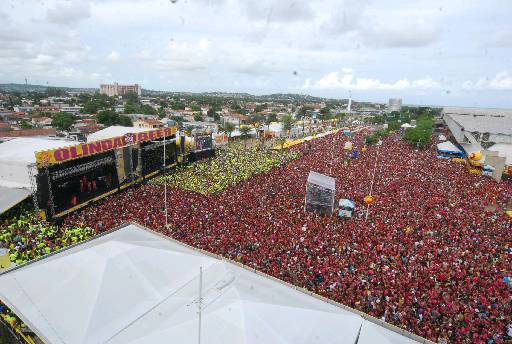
(10, 197)
(135, 286)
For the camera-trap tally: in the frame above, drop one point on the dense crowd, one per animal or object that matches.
(433, 257)
(26, 237)
(233, 165)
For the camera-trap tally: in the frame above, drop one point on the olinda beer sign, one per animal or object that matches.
(59, 155)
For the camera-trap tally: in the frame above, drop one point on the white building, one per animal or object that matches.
(481, 130)
(394, 104)
(118, 90)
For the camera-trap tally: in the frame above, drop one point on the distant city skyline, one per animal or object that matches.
(425, 52)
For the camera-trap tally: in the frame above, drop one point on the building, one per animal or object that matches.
(394, 104)
(481, 130)
(148, 123)
(49, 132)
(118, 90)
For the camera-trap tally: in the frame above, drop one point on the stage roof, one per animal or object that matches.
(134, 286)
(114, 131)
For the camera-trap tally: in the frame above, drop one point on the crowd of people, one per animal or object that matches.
(433, 256)
(25, 237)
(234, 164)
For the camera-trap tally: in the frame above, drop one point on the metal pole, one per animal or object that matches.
(165, 186)
(200, 301)
(371, 185)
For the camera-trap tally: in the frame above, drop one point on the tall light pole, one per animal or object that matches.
(165, 187)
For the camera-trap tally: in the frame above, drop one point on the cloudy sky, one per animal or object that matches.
(444, 52)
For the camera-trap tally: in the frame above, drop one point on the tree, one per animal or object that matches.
(130, 107)
(24, 124)
(131, 97)
(341, 116)
(229, 128)
(148, 110)
(212, 112)
(325, 110)
(420, 135)
(269, 119)
(244, 131)
(107, 117)
(178, 119)
(198, 117)
(125, 121)
(288, 123)
(178, 106)
(161, 112)
(63, 121)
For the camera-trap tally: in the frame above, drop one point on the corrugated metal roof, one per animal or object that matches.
(484, 124)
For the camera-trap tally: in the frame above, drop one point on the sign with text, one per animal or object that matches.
(59, 155)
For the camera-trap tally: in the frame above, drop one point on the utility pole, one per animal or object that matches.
(165, 186)
(199, 303)
(371, 185)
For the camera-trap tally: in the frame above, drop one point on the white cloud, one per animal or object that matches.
(503, 38)
(346, 16)
(204, 44)
(398, 29)
(69, 13)
(186, 56)
(113, 56)
(278, 10)
(346, 80)
(144, 54)
(500, 82)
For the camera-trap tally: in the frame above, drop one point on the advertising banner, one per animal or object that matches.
(60, 155)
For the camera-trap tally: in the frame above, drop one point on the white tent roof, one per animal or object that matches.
(114, 131)
(447, 146)
(10, 197)
(322, 180)
(17, 154)
(135, 286)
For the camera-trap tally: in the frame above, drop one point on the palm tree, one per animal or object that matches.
(287, 123)
(229, 128)
(245, 130)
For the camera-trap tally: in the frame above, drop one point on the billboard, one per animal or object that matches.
(69, 178)
(59, 155)
(204, 142)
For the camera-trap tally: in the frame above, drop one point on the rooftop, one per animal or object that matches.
(494, 124)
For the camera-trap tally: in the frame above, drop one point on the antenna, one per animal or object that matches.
(349, 101)
(199, 304)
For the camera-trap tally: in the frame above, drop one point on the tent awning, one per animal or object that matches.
(135, 286)
(10, 197)
(448, 147)
(346, 203)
